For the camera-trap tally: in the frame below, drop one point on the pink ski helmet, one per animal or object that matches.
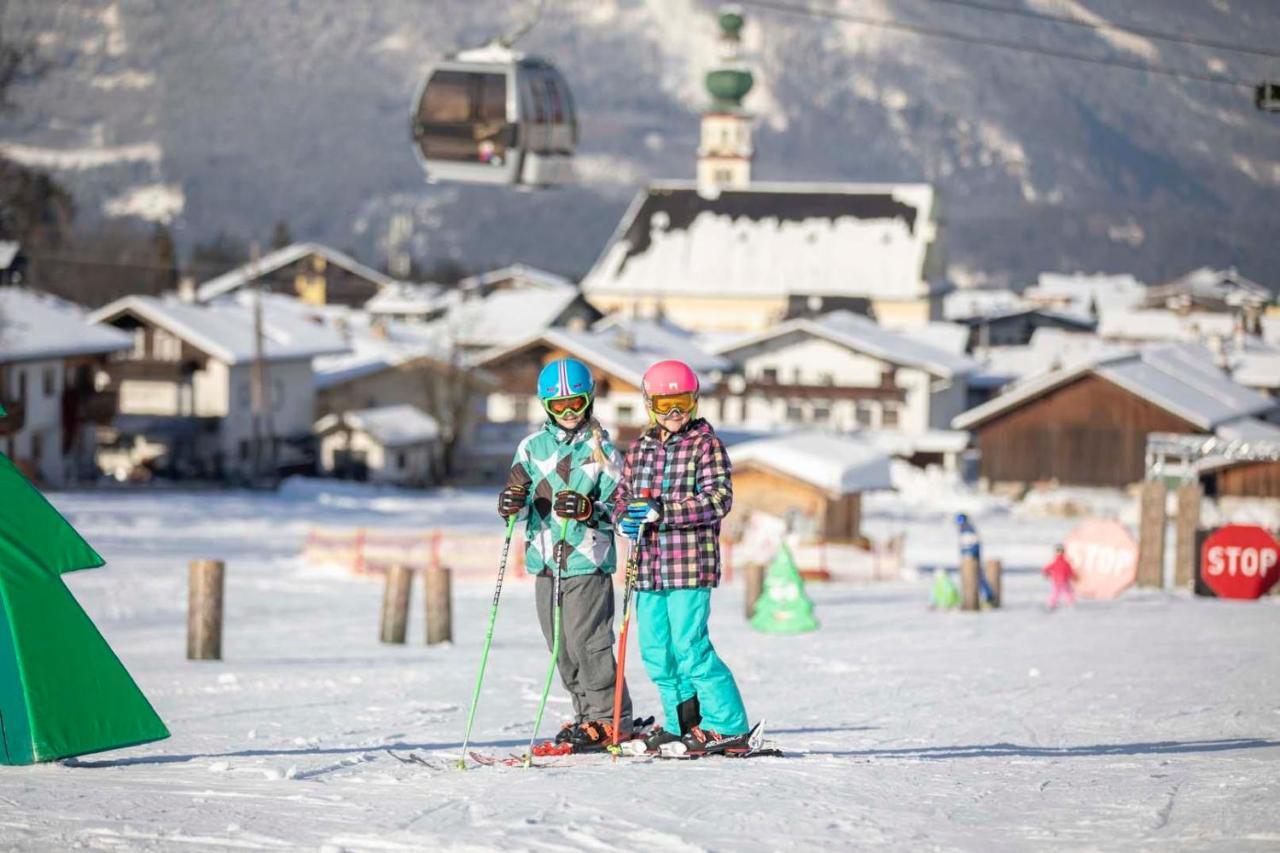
(670, 377)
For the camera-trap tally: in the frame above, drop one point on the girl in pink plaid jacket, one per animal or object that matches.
(675, 488)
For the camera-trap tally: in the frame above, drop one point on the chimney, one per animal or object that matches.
(187, 289)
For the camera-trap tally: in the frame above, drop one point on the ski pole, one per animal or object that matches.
(488, 640)
(633, 558)
(555, 632)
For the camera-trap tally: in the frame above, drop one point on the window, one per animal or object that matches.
(167, 347)
(866, 414)
(770, 375)
(244, 450)
(821, 413)
(401, 461)
(889, 417)
(794, 413)
(48, 381)
(37, 447)
(826, 377)
(625, 412)
(797, 375)
(723, 176)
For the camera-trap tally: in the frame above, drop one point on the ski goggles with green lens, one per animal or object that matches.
(575, 405)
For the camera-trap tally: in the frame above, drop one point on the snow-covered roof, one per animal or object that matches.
(625, 347)
(1049, 349)
(273, 261)
(1159, 324)
(1179, 378)
(1077, 321)
(864, 335)
(838, 464)
(950, 337)
(1250, 430)
(405, 298)
(35, 325)
(1257, 368)
(505, 315)
(973, 302)
(1079, 294)
(375, 346)
(8, 251)
(520, 274)
(1226, 286)
(391, 426)
(771, 240)
(224, 330)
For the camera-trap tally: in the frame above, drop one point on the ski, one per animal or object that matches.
(413, 758)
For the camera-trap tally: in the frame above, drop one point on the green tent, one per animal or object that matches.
(62, 690)
(783, 608)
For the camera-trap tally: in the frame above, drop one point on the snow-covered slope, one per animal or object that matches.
(233, 114)
(1149, 722)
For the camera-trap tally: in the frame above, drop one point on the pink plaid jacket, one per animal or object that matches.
(691, 475)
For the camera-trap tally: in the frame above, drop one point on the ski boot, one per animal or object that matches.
(594, 736)
(700, 741)
(689, 715)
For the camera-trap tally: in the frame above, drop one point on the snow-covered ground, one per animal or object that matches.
(1149, 722)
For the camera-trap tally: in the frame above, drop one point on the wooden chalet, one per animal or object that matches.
(1087, 424)
(310, 272)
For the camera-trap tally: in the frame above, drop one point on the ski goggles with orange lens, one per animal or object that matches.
(575, 405)
(666, 404)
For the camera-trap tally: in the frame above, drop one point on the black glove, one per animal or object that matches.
(575, 505)
(511, 500)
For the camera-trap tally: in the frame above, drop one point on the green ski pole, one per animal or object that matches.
(488, 640)
(555, 642)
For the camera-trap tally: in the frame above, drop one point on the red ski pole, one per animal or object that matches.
(633, 556)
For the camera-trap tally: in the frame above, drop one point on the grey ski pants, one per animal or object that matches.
(586, 663)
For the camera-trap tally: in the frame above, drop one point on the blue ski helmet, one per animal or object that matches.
(565, 377)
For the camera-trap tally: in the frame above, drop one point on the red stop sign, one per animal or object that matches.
(1240, 561)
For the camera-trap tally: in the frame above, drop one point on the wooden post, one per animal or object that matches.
(439, 605)
(969, 583)
(995, 577)
(753, 584)
(1185, 551)
(1151, 535)
(204, 609)
(395, 604)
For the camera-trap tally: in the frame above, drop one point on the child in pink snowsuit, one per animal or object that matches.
(1061, 573)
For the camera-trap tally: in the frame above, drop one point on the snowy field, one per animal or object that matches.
(1152, 722)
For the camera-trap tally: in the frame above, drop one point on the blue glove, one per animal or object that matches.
(645, 510)
(630, 528)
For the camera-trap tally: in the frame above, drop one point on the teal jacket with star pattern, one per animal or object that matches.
(585, 461)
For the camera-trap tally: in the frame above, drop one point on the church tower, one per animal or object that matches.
(725, 150)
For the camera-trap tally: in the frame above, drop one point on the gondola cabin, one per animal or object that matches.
(491, 116)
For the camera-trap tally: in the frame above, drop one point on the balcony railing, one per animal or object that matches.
(150, 370)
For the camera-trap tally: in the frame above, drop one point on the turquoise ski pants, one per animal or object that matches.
(680, 659)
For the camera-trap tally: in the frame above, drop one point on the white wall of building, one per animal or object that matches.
(413, 464)
(293, 402)
(39, 442)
